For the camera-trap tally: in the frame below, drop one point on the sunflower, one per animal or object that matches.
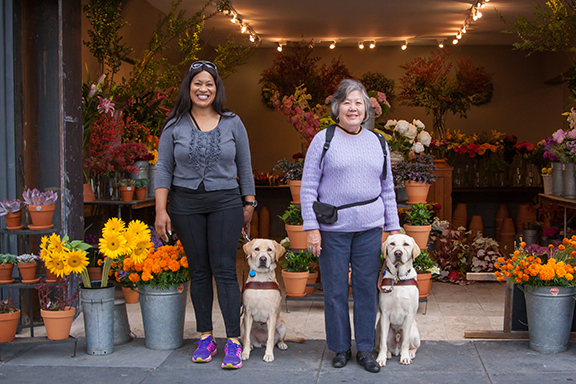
(113, 245)
(138, 229)
(114, 225)
(141, 251)
(55, 244)
(77, 261)
(58, 265)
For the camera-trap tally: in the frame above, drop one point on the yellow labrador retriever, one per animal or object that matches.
(397, 332)
(261, 300)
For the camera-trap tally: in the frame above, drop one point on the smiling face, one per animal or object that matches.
(351, 111)
(262, 254)
(202, 90)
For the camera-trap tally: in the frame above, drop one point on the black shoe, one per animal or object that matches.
(366, 360)
(340, 360)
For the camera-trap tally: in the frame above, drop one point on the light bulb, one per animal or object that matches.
(459, 35)
(233, 20)
(372, 45)
(404, 46)
(333, 45)
(455, 41)
(361, 45)
(252, 38)
(243, 28)
(279, 48)
(441, 45)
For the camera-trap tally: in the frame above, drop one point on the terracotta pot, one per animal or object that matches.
(459, 216)
(88, 193)
(295, 283)
(419, 233)
(417, 192)
(295, 190)
(507, 236)
(41, 215)
(6, 273)
(526, 213)
(27, 271)
(131, 296)
(298, 237)
(476, 224)
(95, 273)
(13, 220)
(127, 193)
(58, 323)
(50, 277)
(502, 212)
(141, 193)
(424, 283)
(312, 277)
(8, 326)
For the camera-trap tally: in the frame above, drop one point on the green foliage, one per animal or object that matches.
(418, 214)
(423, 263)
(230, 55)
(293, 215)
(141, 183)
(378, 82)
(126, 182)
(298, 261)
(8, 259)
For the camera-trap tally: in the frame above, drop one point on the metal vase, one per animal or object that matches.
(142, 172)
(163, 313)
(549, 311)
(568, 181)
(557, 183)
(98, 309)
(122, 333)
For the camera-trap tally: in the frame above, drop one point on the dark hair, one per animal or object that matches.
(345, 87)
(183, 103)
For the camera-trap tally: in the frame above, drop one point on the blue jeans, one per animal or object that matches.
(362, 251)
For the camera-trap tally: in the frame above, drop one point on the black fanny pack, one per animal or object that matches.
(328, 214)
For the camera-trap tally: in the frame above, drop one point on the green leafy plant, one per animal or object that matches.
(424, 264)
(127, 182)
(8, 306)
(418, 214)
(292, 215)
(8, 259)
(377, 81)
(297, 261)
(141, 183)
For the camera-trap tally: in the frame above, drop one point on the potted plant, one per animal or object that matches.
(141, 188)
(12, 212)
(7, 262)
(295, 272)
(57, 307)
(126, 188)
(9, 316)
(418, 174)
(41, 206)
(424, 267)
(292, 218)
(292, 174)
(27, 268)
(418, 221)
(549, 290)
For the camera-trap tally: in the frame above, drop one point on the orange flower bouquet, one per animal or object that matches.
(553, 268)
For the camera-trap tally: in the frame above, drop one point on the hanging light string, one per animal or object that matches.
(474, 13)
(236, 19)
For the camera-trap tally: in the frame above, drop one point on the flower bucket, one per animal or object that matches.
(151, 177)
(8, 326)
(568, 181)
(143, 170)
(548, 185)
(417, 192)
(549, 311)
(163, 313)
(41, 216)
(58, 323)
(557, 180)
(122, 333)
(98, 308)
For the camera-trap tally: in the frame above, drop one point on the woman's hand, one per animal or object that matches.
(163, 225)
(314, 240)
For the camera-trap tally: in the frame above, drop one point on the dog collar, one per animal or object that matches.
(262, 285)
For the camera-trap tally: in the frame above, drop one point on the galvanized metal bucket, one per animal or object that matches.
(98, 309)
(163, 313)
(122, 333)
(549, 311)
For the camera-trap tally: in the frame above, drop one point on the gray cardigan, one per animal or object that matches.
(188, 156)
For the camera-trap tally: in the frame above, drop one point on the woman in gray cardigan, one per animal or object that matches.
(203, 151)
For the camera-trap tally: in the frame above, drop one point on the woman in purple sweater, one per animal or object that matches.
(351, 171)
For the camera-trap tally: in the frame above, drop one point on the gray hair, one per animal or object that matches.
(345, 87)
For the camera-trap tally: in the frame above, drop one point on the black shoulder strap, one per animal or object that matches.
(329, 135)
(383, 143)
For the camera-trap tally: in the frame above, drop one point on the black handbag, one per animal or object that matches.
(328, 214)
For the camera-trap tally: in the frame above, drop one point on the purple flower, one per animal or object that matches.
(551, 232)
(559, 136)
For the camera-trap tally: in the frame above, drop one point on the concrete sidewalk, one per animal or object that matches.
(467, 362)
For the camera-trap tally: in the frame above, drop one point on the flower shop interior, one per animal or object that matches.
(84, 100)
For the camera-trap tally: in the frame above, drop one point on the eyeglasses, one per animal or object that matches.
(199, 64)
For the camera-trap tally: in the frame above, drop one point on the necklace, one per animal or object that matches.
(195, 122)
(350, 133)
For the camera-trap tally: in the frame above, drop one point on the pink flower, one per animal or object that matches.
(328, 100)
(571, 134)
(558, 136)
(381, 97)
(106, 104)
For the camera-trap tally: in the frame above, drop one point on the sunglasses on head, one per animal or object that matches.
(199, 64)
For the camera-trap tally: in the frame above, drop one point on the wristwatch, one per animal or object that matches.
(252, 203)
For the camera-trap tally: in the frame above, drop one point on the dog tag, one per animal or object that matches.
(252, 273)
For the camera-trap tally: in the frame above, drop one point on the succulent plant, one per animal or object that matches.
(141, 183)
(10, 206)
(126, 182)
(35, 197)
(7, 259)
(8, 306)
(26, 258)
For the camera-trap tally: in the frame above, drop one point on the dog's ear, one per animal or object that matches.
(248, 248)
(415, 250)
(384, 247)
(278, 250)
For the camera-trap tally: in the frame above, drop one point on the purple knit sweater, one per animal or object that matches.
(351, 172)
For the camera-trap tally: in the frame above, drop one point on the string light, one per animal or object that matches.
(361, 45)
(373, 45)
(440, 43)
(405, 45)
(333, 45)
(473, 15)
(279, 48)
(455, 41)
(244, 27)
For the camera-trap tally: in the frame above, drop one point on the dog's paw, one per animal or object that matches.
(282, 345)
(381, 360)
(405, 360)
(388, 355)
(245, 354)
(412, 353)
(268, 357)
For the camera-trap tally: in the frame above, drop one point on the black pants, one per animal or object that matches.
(210, 241)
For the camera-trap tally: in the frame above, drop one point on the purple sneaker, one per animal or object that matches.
(232, 352)
(206, 349)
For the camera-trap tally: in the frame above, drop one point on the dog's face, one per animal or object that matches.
(400, 250)
(262, 254)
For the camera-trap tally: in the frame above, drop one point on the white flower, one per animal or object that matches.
(402, 127)
(418, 123)
(425, 138)
(572, 118)
(391, 123)
(412, 132)
(418, 148)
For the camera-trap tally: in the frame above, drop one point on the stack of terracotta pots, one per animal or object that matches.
(526, 214)
(502, 212)
(507, 236)
(476, 224)
(460, 216)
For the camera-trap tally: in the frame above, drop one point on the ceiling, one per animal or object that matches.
(347, 22)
